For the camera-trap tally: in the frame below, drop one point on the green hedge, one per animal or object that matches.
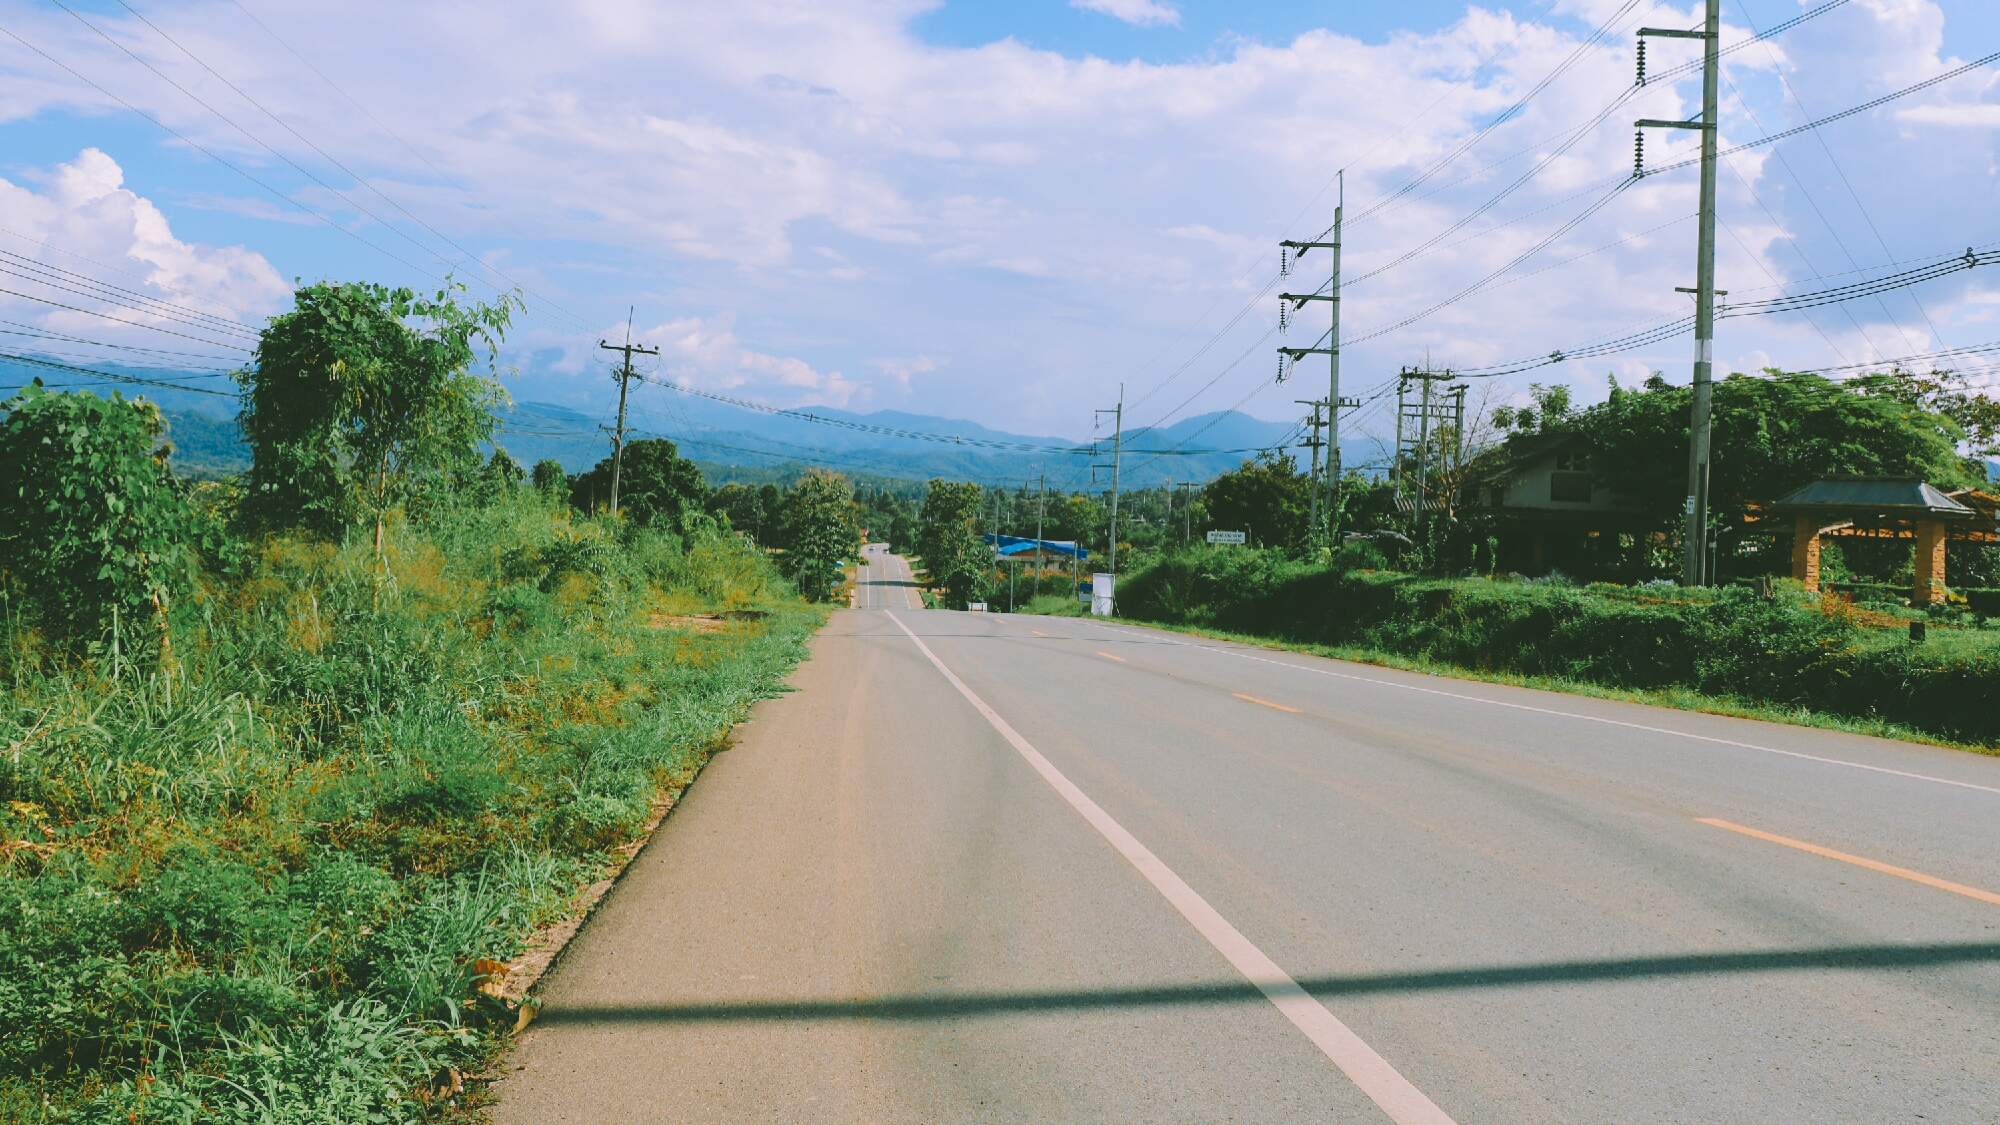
(1722, 642)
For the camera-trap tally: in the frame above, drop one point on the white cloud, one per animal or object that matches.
(85, 221)
(1144, 13)
(816, 180)
(706, 355)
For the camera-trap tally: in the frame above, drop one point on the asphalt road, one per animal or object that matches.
(884, 581)
(1522, 906)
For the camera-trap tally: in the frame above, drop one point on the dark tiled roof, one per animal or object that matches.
(1869, 495)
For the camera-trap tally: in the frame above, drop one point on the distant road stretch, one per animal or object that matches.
(998, 868)
(884, 581)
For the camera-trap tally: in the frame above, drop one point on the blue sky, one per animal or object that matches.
(993, 211)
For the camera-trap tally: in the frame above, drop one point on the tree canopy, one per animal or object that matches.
(1266, 497)
(953, 557)
(655, 484)
(1770, 435)
(820, 532)
(350, 411)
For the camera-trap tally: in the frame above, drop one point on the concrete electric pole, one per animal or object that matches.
(1289, 254)
(1694, 539)
(624, 380)
(1117, 449)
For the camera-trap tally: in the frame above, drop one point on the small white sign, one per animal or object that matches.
(1227, 537)
(976, 607)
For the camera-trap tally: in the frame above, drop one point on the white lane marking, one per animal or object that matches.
(1561, 714)
(1403, 1102)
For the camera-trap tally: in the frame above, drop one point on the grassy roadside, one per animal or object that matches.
(274, 877)
(1678, 698)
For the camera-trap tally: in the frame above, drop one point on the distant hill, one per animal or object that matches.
(720, 434)
(733, 442)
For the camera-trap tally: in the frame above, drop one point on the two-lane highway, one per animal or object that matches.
(999, 868)
(884, 581)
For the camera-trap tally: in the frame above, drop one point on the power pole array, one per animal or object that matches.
(1694, 540)
(624, 380)
(1422, 420)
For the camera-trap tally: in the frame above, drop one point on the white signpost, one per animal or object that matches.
(1101, 586)
(1236, 537)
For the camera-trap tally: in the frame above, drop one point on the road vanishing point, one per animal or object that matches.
(998, 868)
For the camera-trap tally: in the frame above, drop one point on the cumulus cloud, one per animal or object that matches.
(83, 220)
(1144, 13)
(706, 354)
(818, 181)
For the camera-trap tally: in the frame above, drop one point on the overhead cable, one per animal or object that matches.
(446, 239)
(113, 376)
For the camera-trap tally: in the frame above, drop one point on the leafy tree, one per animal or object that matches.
(349, 411)
(902, 534)
(91, 520)
(743, 505)
(551, 479)
(821, 531)
(952, 555)
(1074, 517)
(1266, 497)
(655, 485)
(1769, 436)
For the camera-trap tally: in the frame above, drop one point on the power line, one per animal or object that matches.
(121, 320)
(1843, 114)
(113, 376)
(426, 161)
(184, 139)
(469, 255)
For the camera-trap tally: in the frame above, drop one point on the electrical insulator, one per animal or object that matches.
(1284, 367)
(1638, 154)
(1284, 261)
(1642, 63)
(1284, 316)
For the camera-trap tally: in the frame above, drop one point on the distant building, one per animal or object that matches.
(1550, 512)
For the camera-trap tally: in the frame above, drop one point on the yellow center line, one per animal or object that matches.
(1267, 703)
(1038, 632)
(1108, 656)
(1872, 865)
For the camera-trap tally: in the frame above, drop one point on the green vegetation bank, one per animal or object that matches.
(292, 759)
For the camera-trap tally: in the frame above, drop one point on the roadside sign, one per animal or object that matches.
(1226, 537)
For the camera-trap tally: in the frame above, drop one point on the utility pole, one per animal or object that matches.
(1041, 506)
(1694, 539)
(1288, 254)
(1313, 442)
(1117, 449)
(1187, 513)
(624, 380)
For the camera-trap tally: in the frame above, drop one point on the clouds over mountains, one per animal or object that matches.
(795, 195)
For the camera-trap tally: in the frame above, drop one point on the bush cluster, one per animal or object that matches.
(1794, 650)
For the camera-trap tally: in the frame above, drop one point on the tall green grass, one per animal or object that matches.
(250, 883)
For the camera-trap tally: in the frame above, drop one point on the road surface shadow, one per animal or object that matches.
(933, 1006)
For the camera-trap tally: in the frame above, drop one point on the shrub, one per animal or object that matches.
(92, 524)
(1727, 642)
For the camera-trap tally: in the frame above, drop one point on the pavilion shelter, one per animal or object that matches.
(1885, 508)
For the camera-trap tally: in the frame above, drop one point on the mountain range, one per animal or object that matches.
(724, 436)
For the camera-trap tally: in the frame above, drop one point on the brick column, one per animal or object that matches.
(1930, 562)
(1805, 551)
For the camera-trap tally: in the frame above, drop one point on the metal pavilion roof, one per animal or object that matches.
(1902, 497)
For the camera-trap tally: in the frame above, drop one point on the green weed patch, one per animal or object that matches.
(251, 880)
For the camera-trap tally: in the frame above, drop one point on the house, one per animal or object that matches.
(1550, 513)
